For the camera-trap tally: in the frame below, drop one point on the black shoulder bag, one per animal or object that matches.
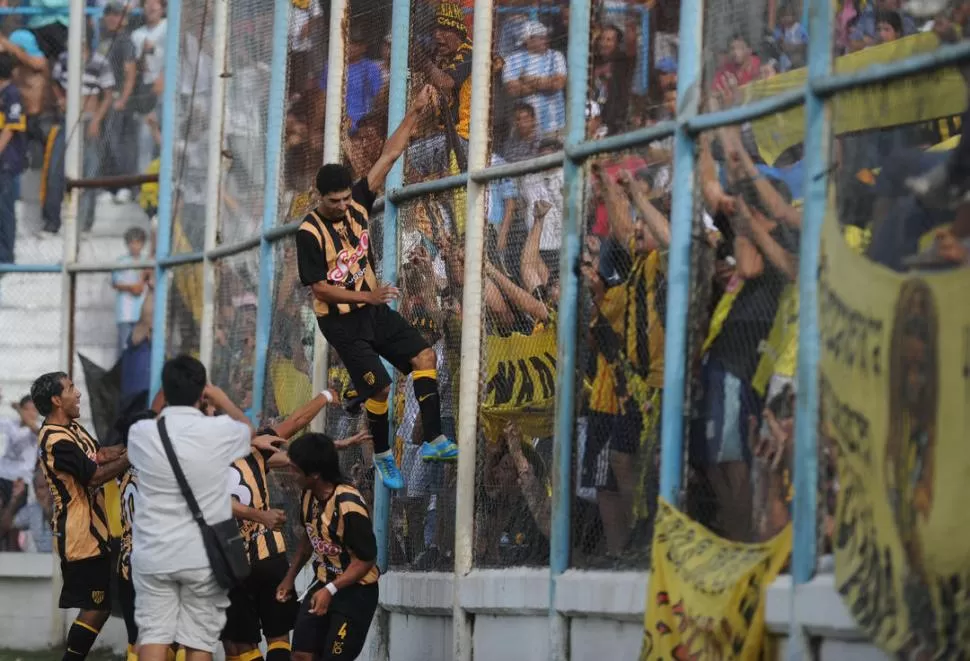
(223, 544)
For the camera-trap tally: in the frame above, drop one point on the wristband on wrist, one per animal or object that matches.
(327, 395)
(331, 588)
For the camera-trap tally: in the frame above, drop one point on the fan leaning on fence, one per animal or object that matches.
(335, 262)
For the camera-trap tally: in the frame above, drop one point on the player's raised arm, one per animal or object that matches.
(398, 141)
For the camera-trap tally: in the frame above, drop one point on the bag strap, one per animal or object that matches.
(179, 475)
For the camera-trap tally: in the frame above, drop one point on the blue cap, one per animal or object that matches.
(667, 65)
(25, 40)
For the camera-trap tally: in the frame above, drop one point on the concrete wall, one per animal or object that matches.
(510, 609)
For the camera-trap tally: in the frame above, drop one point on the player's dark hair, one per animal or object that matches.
(315, 453)
(135, 411)
(25, 400)
(183, 380)
(7, 64)
(333, 178)
(45, 389)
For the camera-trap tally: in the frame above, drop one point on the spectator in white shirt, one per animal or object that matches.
(19, 451)
(546, 188)
(177, 599)
(149, 41)
(537, 75)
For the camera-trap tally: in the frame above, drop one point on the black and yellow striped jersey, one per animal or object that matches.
(68, 458)
(338, 252)
(127, 488)
(644, 318)
(327, 527)
(247, 483)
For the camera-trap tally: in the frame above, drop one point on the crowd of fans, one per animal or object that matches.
(743, 305)
(745, 309)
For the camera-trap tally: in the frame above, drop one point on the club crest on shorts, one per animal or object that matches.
(370, 378)
(97, 596)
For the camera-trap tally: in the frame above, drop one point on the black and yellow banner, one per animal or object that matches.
(895, 403)
(911, 100)
(706, 597)
(520, 383)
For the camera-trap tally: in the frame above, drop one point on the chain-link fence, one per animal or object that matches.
(895, 171)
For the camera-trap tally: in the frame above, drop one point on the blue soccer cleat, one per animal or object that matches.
(388, 471)
(440, 449)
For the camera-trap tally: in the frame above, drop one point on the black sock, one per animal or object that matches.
(278, 650)
(377, 420)
(429, 401)
(80, 638)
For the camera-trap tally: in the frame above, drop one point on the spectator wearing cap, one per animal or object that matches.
(364, 80)
(612, 78)
(13, 155)
(448, 69)
(120, 141)
(30, 76)
(667, 73)
(536, 74)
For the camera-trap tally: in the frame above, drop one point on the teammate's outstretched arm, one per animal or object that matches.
(398, 141)
(305, 414)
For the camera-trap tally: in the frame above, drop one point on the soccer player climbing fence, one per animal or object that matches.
(645, 198)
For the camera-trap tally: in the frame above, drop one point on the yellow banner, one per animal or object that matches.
(906, 101)
(520, 383)
(895, 396)
(706, 595)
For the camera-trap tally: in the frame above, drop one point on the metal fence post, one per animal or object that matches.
(220, 17)
(396, 109)
(689, 80)
(333, 117)
(817, 146)
(577, 58)
(271, 198)
(166, 190)
(72, 170)
(471, 321)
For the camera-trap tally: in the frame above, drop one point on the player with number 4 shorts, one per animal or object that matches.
(336, 611)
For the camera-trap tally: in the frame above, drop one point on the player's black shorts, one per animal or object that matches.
(362, 337)
(126, 600)
(341, 633)
(253, 606)
(87, 584)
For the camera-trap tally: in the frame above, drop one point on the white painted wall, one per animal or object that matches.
(510, 610)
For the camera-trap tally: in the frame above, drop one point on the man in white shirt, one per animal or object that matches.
(149, 41)
(20, 449)
(177, 599)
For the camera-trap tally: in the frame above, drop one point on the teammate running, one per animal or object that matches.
(253, 606)
(336, 612)
(335, 261)
(76, 468)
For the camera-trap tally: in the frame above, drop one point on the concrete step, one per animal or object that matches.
(43, 290)
(25, 327)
